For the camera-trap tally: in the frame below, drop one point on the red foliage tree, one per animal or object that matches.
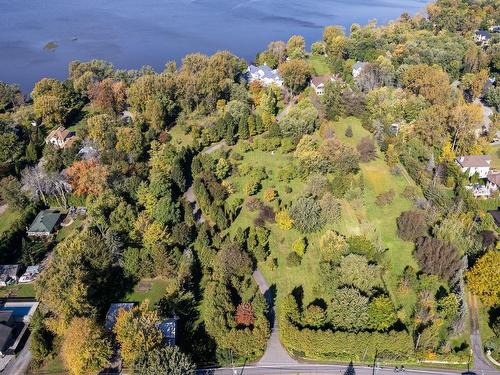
(244, 314)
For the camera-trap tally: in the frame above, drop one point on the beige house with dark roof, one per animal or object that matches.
(318, 83)
(60, 137)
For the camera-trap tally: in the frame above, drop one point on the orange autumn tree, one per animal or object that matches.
(87, 177)
(244, 314)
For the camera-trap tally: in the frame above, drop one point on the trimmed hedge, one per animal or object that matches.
(328, 344)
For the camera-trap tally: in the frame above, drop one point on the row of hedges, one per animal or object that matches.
(328, 344)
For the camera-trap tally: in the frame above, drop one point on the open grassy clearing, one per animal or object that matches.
(319, 64)
(494, 152)
(378, 179)
(18, 290)
(151, 289)
(8, 218)
(179, 136)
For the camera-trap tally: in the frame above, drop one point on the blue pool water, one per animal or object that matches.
(19, 311)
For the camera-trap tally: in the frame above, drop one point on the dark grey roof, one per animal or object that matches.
(112, 313)
(483, 33)
(9, 271)
(167, 328)
(45, 221)
(6, 316)
(496, 216)
(5, 336)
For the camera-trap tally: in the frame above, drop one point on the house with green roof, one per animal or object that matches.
(45, 223)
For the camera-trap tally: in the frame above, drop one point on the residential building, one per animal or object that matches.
(482, 38)
(9, 274)
(357, 68)
(60, 137)
(473, 164)
(112, 313)
(318, 83)
(168, 328)
(264, 74)
(45, 223)
(494, 29)
(30, 274)
(493, 181)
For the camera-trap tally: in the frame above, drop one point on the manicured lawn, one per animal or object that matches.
(18, 290)
(152, 289)
(319, 64)
(179, 137)
(488, 337)
(8, 218)
(378, 179)
(66, 231)
(52, 366)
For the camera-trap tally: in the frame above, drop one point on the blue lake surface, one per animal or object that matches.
(132, 33)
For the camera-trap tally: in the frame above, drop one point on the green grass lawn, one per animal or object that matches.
(8, 218)
(356, 219)
(155, 291)
(378, 179)
(179, 137)
(494, 152)
(18, 290)
(488, 337)
(66, 231)
(53, 366)
(319, 65)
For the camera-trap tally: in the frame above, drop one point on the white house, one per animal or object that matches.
(60, 137)
(357, 68)
(473, 164)
(482, 37)
(30, 274)
(318, 83)
(264, 74)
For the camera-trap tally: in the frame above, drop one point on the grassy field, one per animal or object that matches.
(488, 337)
(319, 65)
(152, 289)
(378, 179)
(179, 137)
(356, 218)
(18, 290)
(494, 152)
(7, 218)
(66, 231)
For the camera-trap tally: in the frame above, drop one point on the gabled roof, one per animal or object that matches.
(61, 133)
(44, 222)
(474, 161)
(318, 80)
(483, 33)
(263, 71)
(494, 178)
(496, 216)
(359, 65)
(112, 313)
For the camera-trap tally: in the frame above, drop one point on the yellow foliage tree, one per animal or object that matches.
(484, 278)
(284, 220)
(85, 348)
(137, 332)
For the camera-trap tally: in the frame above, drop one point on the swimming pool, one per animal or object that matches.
(18, 311)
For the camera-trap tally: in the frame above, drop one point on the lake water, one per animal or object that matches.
(132, 33)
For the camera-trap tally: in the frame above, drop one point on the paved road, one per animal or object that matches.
(481, 364)
(318, 369)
